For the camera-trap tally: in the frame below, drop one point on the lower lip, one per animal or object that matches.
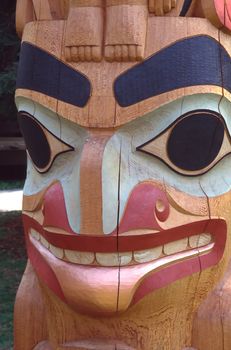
(138, 280)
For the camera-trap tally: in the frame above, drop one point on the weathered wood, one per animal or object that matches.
(125, 110)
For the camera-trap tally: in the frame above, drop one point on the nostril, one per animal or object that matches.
(162, 209)
(160, 206)
(146, 207)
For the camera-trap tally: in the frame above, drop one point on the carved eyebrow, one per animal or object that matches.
(199, 60)
(42, 72)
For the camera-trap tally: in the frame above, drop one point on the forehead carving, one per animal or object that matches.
(103, 108)
(40, 71)
(204, 62)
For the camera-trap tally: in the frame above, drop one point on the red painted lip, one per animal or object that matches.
(110, 243)
(223, 9)
(158, 279)
(153, 280)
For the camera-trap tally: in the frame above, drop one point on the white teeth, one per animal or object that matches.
(175, 247)
(205, 238)
(125, 258)
(107, 259)
(193, 241)
(44, 242)
(58, 252)
(84, 258)
(35, 234)
(200, 240)
(114, 259)
(143, 256)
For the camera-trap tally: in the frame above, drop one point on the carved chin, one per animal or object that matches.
(106, 283)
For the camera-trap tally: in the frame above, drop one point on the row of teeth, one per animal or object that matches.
(125, 258)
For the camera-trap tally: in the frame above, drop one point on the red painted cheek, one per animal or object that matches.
(40, 265)
(54, 210)
(146, 206)
(223, 8)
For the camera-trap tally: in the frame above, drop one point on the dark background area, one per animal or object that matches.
(12, 168)
(12, 157)
(12, 265)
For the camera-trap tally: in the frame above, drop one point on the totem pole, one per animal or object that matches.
(125, 107)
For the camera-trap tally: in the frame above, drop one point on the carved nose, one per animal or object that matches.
(91, 182)
(147, 206)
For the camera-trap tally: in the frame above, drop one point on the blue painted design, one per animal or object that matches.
(198, 60)
(39, 71)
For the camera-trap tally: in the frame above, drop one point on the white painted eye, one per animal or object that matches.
(193, 144)
(42, 146)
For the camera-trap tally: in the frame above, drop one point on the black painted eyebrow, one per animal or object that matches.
(39, 71)
(199, 60)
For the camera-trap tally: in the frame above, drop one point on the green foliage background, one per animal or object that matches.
(9, 54)
(12, 264)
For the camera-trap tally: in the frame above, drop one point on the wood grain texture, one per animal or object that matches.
(125, 32)
(87, 45)
(96, 345)
(28, 311)
(56, 9)
(122, 24)
(24, 14)
(214, 318)
(91, 183)
(44, 345)
(213, 315)
(42, 10)
(84, 33)
(139, 286)
(160, 7)
(102, 77)
(132, 322)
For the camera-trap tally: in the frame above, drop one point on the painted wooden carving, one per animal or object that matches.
(125, 108)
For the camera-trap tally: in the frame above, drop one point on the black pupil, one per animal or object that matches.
(36, 141)
(196, 141)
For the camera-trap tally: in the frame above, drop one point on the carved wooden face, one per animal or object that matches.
(127, 191)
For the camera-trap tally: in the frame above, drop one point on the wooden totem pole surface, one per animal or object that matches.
(125, 107)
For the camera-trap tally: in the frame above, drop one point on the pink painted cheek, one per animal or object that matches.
(146, 205)
(54, 210)
(40, 265)
(223, 8)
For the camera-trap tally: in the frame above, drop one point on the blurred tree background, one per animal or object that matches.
(12, 147)
(13, 256)
(9, 54)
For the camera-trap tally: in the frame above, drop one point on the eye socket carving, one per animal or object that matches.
(193, 144)
(42, 146)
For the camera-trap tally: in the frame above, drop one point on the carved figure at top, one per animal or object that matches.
(115, 29)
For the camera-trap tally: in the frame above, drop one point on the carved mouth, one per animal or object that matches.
(146, 262)
(188, 247)
(162, 248)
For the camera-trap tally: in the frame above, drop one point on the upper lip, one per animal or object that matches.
(111, 243)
